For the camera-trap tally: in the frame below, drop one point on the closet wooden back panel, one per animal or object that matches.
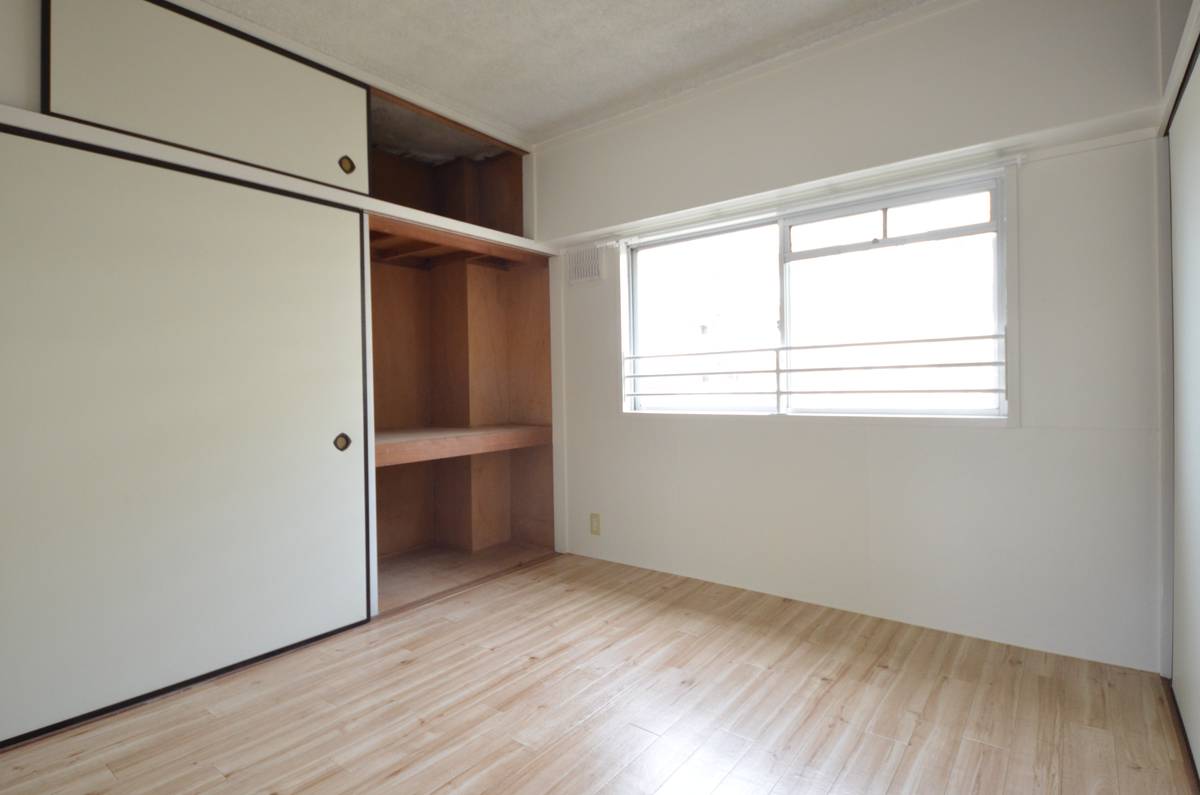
(463, 341)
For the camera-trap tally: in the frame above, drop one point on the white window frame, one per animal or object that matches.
(1001, 182)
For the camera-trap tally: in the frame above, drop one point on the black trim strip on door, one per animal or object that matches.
(163, 691)
(362, 319)
(371, 148)
(188, 13)
(46, 56)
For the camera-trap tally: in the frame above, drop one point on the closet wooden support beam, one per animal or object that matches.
(428, 258)
(431, 444)
(425, 257)
(385, 248)
(490, 262)
(477, 259)
(408, 231)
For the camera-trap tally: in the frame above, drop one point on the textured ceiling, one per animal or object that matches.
(543, 67)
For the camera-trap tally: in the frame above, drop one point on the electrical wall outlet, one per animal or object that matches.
(595, 518)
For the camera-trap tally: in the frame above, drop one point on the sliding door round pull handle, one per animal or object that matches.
(347, 164)
(341, 441)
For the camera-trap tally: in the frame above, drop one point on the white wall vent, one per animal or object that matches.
(583, 264)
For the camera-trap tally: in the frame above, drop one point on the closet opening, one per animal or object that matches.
(422, 160)
(464, 470)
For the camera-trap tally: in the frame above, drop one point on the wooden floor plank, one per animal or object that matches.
(1089, 761)
(994, 713)
(979, 769)
(1035, 761)
(580, 676)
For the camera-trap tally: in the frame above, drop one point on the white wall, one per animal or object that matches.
(1185, 195)
(1052, 534)
(20, 53)
(1047, 535)
(980, 71)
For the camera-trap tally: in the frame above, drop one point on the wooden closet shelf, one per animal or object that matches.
(430, 444)
(399, 242)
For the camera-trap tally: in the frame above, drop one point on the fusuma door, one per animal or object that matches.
(179, 355)
(157, 70)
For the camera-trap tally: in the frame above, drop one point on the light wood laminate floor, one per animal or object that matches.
(417, 575)
(581, 676)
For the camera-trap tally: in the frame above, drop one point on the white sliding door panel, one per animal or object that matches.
(149, 70)
(1185, 209)
(178, 355)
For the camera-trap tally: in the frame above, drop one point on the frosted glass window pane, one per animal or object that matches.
(709, 404)
(942, 288)
(710, 383)
(916, 219)
(936, 289)
(704, 363)
(842, 231)
(901, 380)
(714, 293)
(956, 351)
(960, 403)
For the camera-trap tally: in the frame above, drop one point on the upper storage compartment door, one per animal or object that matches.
(155, 71)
